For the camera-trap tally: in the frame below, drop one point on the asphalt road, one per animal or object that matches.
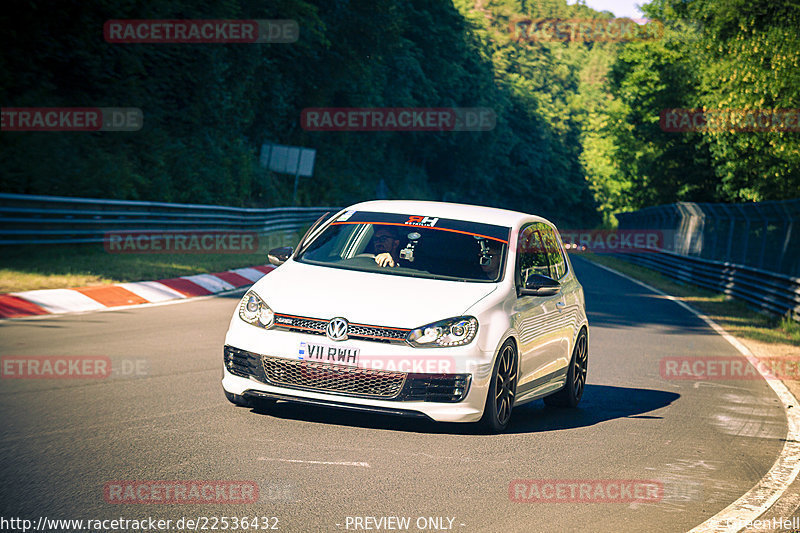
(162, 416)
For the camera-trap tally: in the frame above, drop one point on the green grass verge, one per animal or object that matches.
(733, 315)
(65, 266)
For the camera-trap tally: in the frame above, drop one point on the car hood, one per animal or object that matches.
(364, 297)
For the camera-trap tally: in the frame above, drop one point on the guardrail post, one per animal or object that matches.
(713, 232)
(787, 232)
(746, 232)
(763, 237)
(730, 230)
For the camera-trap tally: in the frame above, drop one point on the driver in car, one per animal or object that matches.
(386, 245)
(491, 263)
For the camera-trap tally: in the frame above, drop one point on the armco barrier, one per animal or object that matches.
(762, 235)
(28, 219)
(776, 293)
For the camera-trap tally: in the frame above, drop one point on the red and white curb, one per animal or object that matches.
(57, 301)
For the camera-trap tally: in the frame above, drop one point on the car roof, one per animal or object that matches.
(471, 213)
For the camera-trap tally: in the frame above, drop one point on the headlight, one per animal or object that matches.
(253, 310)
(445, 333)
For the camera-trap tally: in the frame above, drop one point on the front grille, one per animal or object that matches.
(360, 331)
(316, 326)
(304, 325)
(338, 379)
(325, 377)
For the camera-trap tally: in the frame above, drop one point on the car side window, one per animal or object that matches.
(531, 253)
(555, 255)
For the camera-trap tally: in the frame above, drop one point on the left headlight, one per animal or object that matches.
(444, 333)
(253, 310)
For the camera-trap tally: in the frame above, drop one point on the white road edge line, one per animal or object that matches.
(777, 480)
(340, 463)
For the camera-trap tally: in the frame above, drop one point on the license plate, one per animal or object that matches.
(323, 353)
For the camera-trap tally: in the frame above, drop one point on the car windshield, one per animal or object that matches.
(411, 245)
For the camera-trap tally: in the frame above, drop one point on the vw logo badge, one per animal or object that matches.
(337, 329)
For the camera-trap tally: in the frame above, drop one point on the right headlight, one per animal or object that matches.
(253, 310)
(456, 331)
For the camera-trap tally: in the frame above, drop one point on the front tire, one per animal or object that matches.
(502, 389)
(570, 395)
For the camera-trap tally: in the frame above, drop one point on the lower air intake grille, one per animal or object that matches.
(241, 363)
(338, 379)
(325, 377)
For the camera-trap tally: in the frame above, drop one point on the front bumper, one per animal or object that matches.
(458, 397)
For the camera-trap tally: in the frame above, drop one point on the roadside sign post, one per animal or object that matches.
(288, 160)
(296, 179)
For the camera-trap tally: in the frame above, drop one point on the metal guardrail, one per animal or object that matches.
(28, 219)
(776, 293)
(762, 235)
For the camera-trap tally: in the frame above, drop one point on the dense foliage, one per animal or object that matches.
(577, 133)
(742, 56)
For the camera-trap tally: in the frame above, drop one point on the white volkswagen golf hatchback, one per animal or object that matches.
(452, 312)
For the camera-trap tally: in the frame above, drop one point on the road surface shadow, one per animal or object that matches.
(599, 403)
(615, 302)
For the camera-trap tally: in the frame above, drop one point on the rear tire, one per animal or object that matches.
(570, 395)
(502, 389)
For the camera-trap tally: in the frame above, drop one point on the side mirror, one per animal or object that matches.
(538, 285)
(278, 256)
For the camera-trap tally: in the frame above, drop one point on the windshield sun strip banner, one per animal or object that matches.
(477, 229)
